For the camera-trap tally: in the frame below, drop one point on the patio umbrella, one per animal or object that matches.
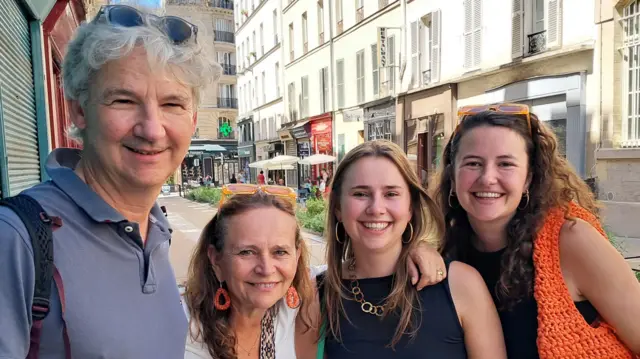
(317, 160)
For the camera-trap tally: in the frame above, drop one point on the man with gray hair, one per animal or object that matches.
(133, 82)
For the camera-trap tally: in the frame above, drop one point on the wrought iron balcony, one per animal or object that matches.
(224, 36)
(227, 102)
(228, 69)
(537, 42)
(224, 4)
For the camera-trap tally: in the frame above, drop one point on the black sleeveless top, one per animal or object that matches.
(367, 336)
(520, 324)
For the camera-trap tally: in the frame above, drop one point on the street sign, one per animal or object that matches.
(382, 47)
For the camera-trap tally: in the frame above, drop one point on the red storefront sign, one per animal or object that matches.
(321, 141)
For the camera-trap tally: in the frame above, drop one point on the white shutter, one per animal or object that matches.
(468, 34)
(553, 23)
(477, 32)
(517, 28)
(415, 51)
(436, 29)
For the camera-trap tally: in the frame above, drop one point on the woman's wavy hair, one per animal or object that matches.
(209, 325)
(426, 221)
(554, 184)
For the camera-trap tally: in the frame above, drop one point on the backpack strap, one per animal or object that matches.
(40, 230)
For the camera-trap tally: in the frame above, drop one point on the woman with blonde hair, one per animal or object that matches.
(517, 212)
(378, 211)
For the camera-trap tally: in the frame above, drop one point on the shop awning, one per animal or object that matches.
(207, 148)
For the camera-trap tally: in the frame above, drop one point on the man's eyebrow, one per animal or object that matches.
(115, 91)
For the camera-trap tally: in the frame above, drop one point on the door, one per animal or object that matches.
(20, 162)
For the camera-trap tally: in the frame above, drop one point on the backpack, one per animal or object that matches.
(40, 228)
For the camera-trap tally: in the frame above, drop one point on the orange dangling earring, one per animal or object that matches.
(221, 292)
(293, 299)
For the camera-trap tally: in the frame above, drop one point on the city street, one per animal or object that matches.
(188, 218)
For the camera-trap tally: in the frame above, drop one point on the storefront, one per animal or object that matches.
(302, 133)
(321, 142)
(58, 28)
(246, 148)
(380, 120)
(349, 129)
(428, 117)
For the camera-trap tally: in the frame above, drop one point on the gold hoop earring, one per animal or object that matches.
(526, 194)
(411, 236)
(338, 237)
(451, 195)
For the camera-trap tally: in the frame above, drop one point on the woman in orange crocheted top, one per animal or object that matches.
(518, 213)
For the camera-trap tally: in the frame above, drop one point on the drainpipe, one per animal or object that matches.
(405, 66)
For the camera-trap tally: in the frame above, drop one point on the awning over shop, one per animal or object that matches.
(207, 148)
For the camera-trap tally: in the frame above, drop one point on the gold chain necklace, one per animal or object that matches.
(358, 296)
(253, 346)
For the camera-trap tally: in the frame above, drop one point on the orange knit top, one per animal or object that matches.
(562, 331)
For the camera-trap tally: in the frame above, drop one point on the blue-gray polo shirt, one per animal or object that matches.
(122, 301)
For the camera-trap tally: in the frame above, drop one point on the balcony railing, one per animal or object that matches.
(221, 136)
(321, 38)
(227, 102)
(224, 4)
(228, 69)
(339, 27)
(224, 36)
(359, 14)
(537, 42)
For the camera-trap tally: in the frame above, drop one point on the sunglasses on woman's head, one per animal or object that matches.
(251, 189)
(505, 108)
(177, 29)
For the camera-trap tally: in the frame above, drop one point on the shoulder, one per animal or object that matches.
(465, 282)
(578, 236)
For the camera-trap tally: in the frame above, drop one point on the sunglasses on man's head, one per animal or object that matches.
(505, 108)
(177, 29)
(235, 189)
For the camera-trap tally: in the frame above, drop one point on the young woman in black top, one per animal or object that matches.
(377, 209)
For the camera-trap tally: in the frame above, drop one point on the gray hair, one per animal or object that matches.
(95, 44)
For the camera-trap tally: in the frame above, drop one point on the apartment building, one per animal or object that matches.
(258, 29)
(218, 110)
(616, 111)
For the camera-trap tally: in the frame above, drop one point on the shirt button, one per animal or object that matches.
(128, 229)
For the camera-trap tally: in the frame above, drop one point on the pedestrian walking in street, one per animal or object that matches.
(249, 292)
(133, 84)
(233, 178)
(517, 212)
(378, 213)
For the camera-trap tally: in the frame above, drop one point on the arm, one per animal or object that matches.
(426, 264)
(17, 275)
(592, 266)
(477, 313)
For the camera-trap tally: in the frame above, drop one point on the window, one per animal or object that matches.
(359, 10)
(340, 82)
(304, 97)
(275, 27)
(473, 33)
(225, 25)
(379, 130)
(264, 130)
(324, 89)
(305, 40)
(339, 25)
(360, 76)
(264, 92)
(277, 79)
(291, 100)
(272, 128)
(227, 96)
(256, 88)
(374, 67)
(261, 39)
(320, 23)
(631, 90)
(291, 43)
(255, 48)
(425, 48)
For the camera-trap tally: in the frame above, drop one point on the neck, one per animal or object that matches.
(134, 204)
(376, 264)
(489, 236)
(246, 320)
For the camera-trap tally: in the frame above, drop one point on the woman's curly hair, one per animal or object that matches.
(554, 184)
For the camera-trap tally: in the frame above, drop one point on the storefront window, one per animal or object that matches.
(380, 130)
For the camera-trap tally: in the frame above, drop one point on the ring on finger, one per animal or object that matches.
(440, 273)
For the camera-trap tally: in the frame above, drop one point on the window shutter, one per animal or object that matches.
(553, 23)
(415, 51)
(517, 28)
(436, 29)
(477, 32)
(468, 35)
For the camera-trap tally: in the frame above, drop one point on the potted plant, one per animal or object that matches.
(253, 53)
(245, 13)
